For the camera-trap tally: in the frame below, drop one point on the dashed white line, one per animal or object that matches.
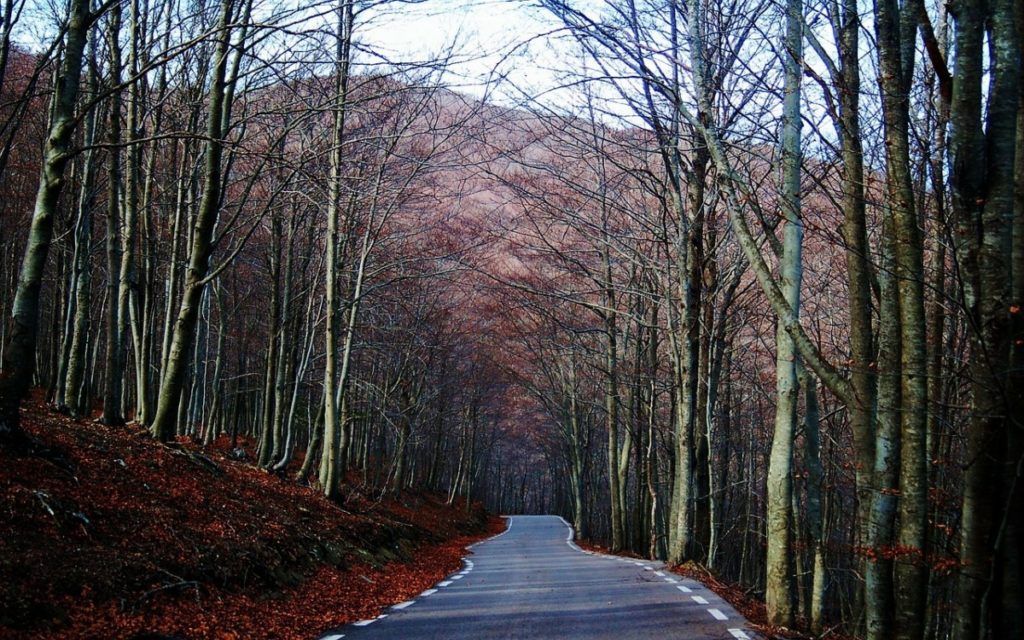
(459, 576)
(402, 605)
(445, 583)
(363, 623)
(334, 636)
(428, 592)
(715, 613)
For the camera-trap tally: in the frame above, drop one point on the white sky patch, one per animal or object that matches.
(485, 38)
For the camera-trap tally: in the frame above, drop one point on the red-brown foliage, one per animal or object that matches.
(111, 535)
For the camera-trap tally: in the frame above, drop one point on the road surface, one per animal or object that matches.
(532, 582)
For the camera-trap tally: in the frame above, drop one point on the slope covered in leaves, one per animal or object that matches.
(110, 535)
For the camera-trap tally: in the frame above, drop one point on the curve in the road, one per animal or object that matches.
(533, 582)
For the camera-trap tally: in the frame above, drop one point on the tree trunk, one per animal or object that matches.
(896, 30)
(983, 204)
(779, 581)
(19, 354)
(330, 459)
(114, 352)
(172, 382)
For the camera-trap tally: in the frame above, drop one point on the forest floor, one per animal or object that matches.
(743, 600)
(112, 535)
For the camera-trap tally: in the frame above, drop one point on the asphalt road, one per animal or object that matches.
(532, 582)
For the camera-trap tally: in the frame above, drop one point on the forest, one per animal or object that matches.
(731, 284)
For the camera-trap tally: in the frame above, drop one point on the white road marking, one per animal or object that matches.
(639, 564)
(444, 584)
(508, 528)
(684, 588)
(363, 623)
(646, 568)
(717, 615)
(672, 580)
(335, 636)
(458, 577)
(699, 600)
(569, 537)
(428, 592)
(407, 603)
(462, 573)
(738, 634)
(383, 615)
(659, 573)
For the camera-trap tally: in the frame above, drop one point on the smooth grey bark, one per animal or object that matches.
(285, 349)
(779, 571)
(71, 397)
(172, 382)
(330, 460)
(879, 535)
(896, 29)
(736, 192)
(19, 354)
(611, 407)
(114, 354)
(270, 397)
(815, 488)
(130, 209)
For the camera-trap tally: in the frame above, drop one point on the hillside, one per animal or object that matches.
(111, 535)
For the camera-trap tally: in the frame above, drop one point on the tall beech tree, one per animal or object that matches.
(20, 351)
(183, 338)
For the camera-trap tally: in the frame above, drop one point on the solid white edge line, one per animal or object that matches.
(508, 527)
(717, 615)
(739, 634)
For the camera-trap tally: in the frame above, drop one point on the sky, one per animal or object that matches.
(491, 38)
